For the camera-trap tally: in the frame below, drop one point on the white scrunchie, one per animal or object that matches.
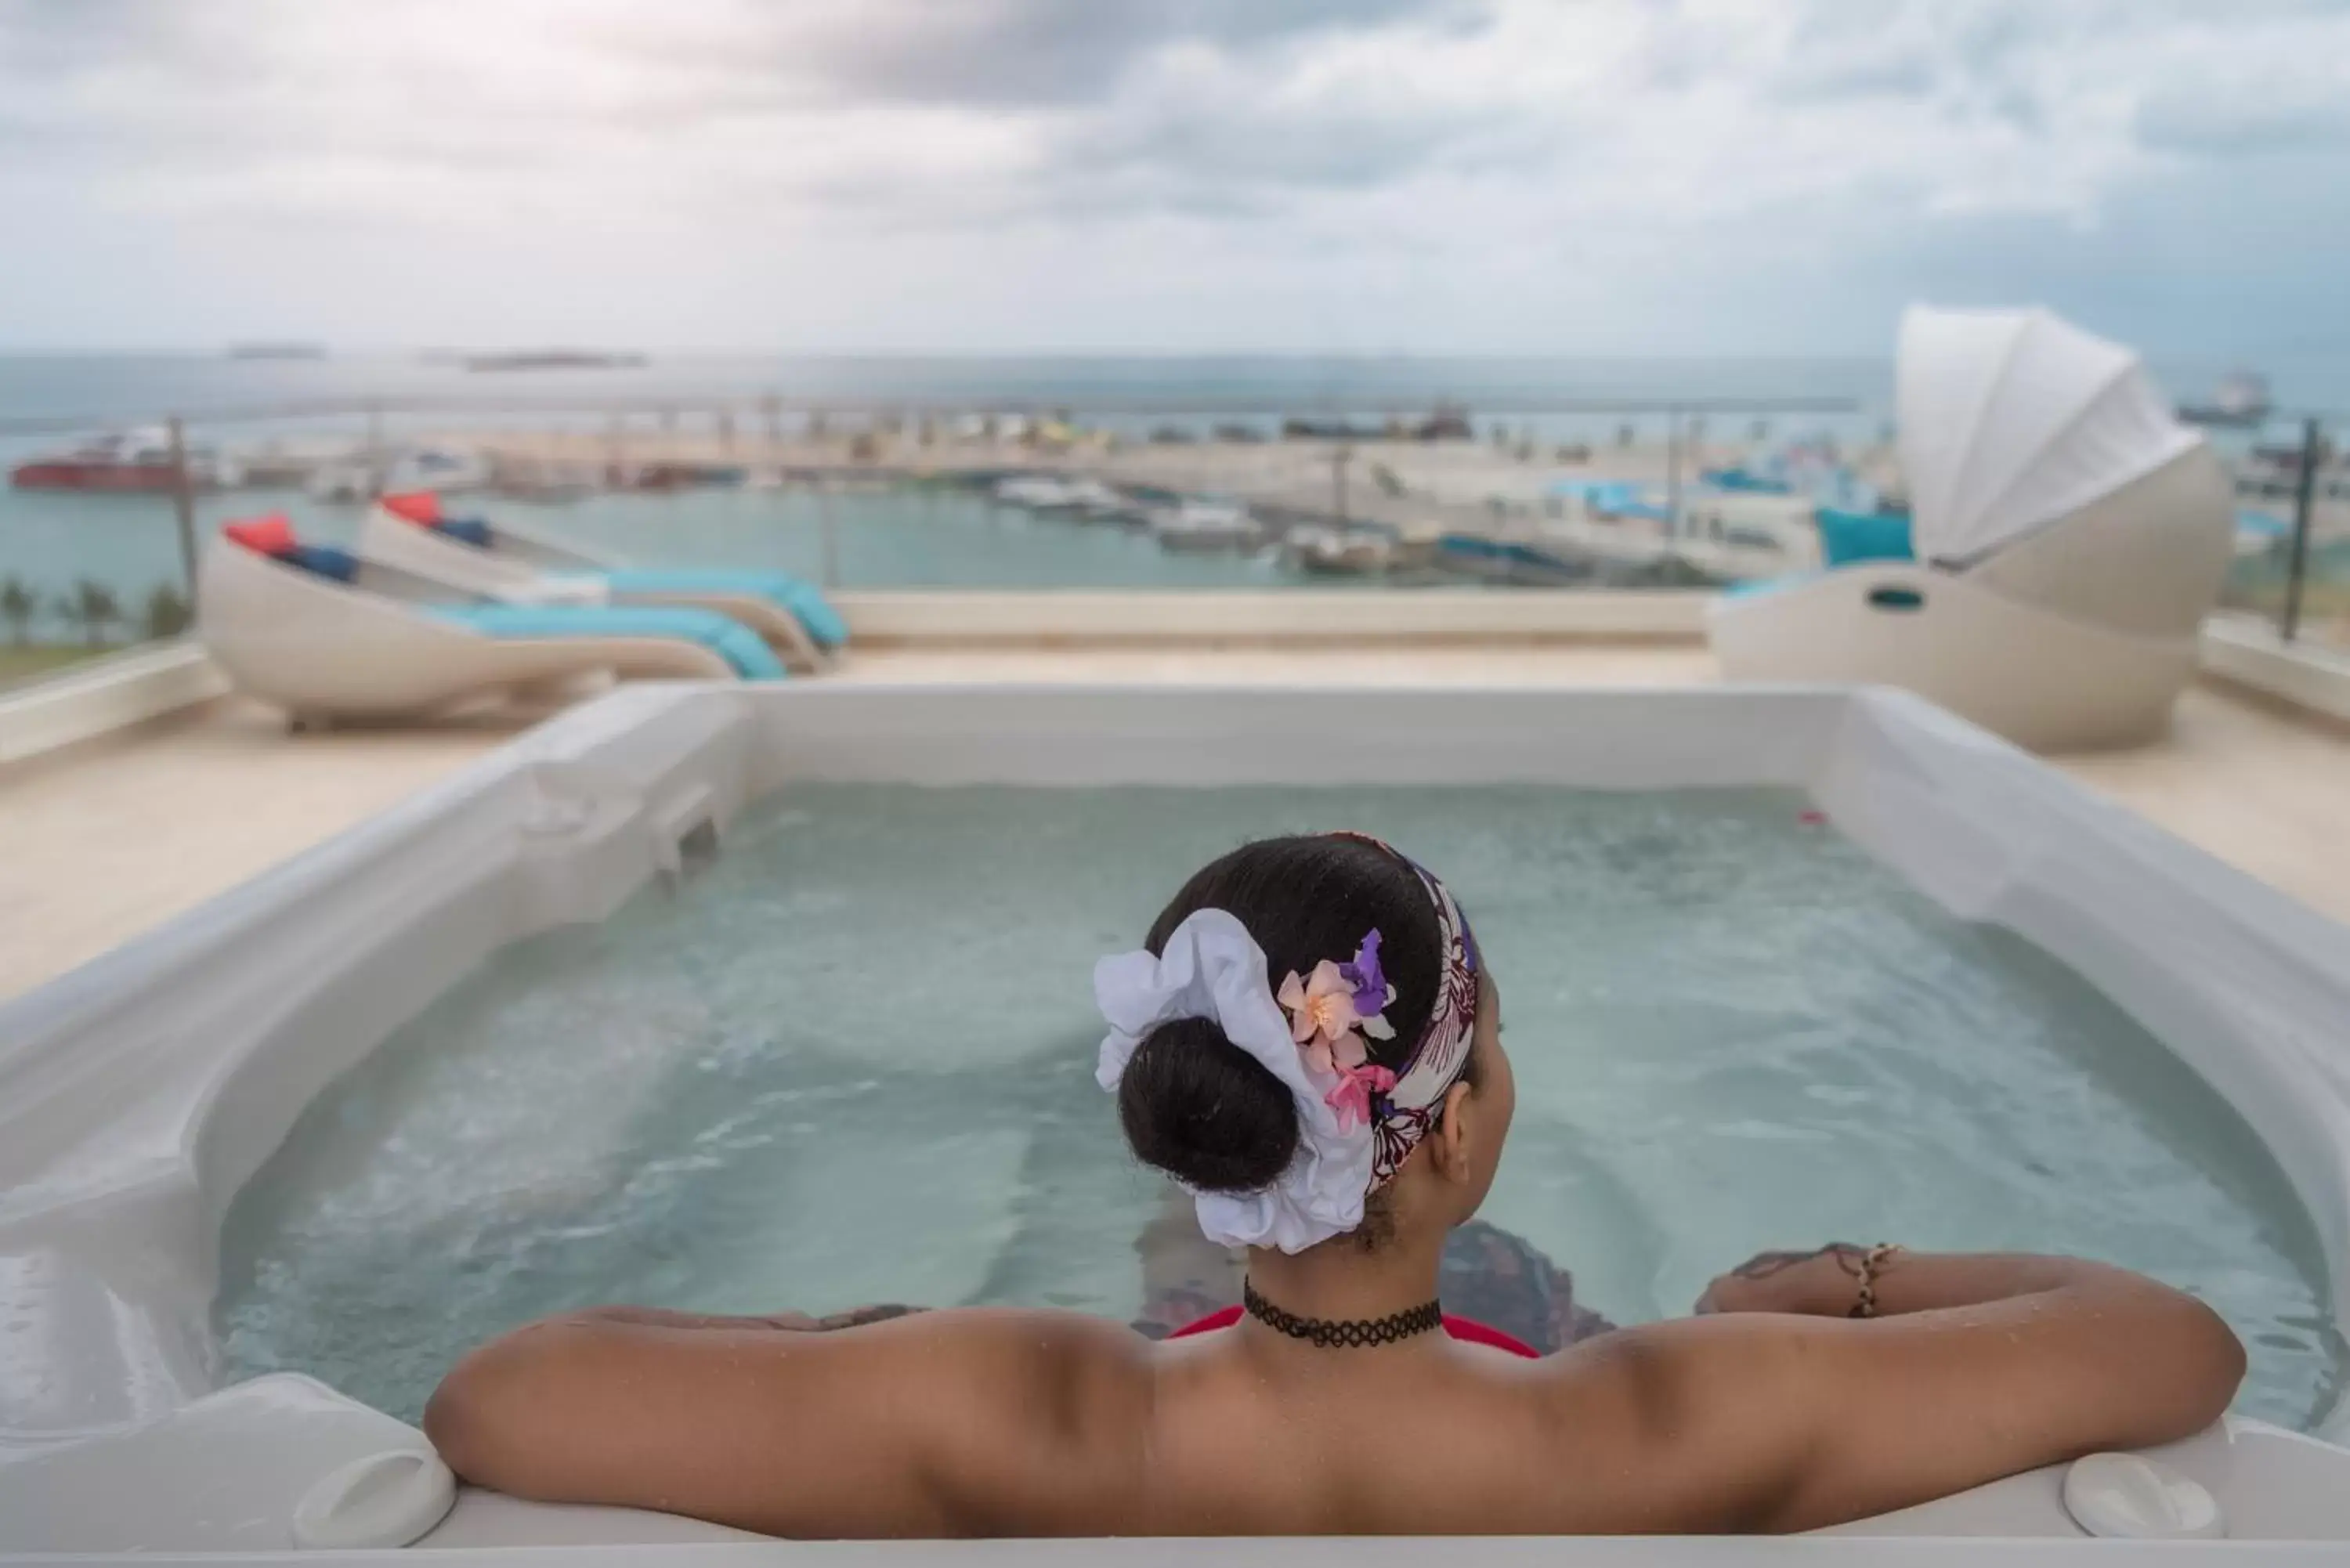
(1212, 968)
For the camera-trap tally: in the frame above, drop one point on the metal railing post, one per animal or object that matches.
(377, 461)
(2303, 501)
(184, 505)
(831, 538)
(1672, 473)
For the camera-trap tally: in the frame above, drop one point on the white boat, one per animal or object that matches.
(1048, 493)
(1336, 552)
(1038, 493)
(548, 481)
(449, 470)
(1097, 500)
(290, 462)
(1200, 525)
(445, 470)
(353, 481)
(2241, 400)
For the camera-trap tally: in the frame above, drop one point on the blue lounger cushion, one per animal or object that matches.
(808, 606)
(473, 531)
(740, 646)
(324, 560)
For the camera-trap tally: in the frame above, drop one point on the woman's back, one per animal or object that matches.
(1338, 1125)
(1252, 1439)
(1786, 1415)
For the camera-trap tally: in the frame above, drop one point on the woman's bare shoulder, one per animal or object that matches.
(977, 1420)
(1688, 1417)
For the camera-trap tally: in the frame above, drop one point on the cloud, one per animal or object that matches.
(1030, 52)
(1501, 173)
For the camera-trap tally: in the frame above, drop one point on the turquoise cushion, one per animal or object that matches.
(740, 646)
(1847, 538)
(807, 605)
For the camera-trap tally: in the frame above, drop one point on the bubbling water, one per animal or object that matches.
(853, 1063)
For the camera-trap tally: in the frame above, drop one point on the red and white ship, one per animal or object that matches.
(135, 462)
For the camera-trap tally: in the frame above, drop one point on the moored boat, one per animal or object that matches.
(1336, 552)
(134, 462)
(1198, 524)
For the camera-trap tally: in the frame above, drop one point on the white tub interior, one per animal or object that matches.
(138, 1096)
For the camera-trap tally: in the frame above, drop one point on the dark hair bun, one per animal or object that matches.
(1204, 1111)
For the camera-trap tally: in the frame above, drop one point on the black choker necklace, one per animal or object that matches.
(1341, 1334)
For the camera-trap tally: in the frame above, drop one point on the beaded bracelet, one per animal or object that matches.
(1871, 1263)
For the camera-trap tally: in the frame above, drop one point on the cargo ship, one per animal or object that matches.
(133, 462)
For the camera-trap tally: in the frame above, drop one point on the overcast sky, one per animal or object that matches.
(1326, 176)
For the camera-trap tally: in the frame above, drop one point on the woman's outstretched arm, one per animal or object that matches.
(1976, 1367)
(953, 1423)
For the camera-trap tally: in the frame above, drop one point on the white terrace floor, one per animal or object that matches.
(100, 843)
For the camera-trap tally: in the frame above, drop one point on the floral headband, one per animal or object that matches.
(1357, 1121)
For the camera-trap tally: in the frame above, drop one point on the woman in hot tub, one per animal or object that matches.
(1309, 1043)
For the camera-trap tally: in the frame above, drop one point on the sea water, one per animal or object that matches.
(886, 537)
(853, 1062)
(905, 537)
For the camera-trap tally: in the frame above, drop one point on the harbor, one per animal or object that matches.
(943, 487)
(90, 530)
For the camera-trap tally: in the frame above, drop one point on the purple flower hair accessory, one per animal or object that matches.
(1372, 991)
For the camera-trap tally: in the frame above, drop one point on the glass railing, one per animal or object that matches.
(1025, 475)
(2292, 564)
(959, 474)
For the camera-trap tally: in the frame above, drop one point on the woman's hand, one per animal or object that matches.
(1824, 1283)
(790, 1322)
(857, 1317)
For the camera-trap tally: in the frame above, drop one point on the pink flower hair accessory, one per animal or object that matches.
(1351, 1101)
(1327, 1009)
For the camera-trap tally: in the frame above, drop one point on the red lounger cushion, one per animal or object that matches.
(419, 506)
(270, 536)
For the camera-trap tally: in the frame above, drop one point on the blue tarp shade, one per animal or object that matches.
(1599, 495)
(1740, 479)
(1469, 544)
(1848, 538)
(737, 644)
(807, 605)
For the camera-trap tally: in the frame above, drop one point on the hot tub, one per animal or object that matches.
(140, 1096)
